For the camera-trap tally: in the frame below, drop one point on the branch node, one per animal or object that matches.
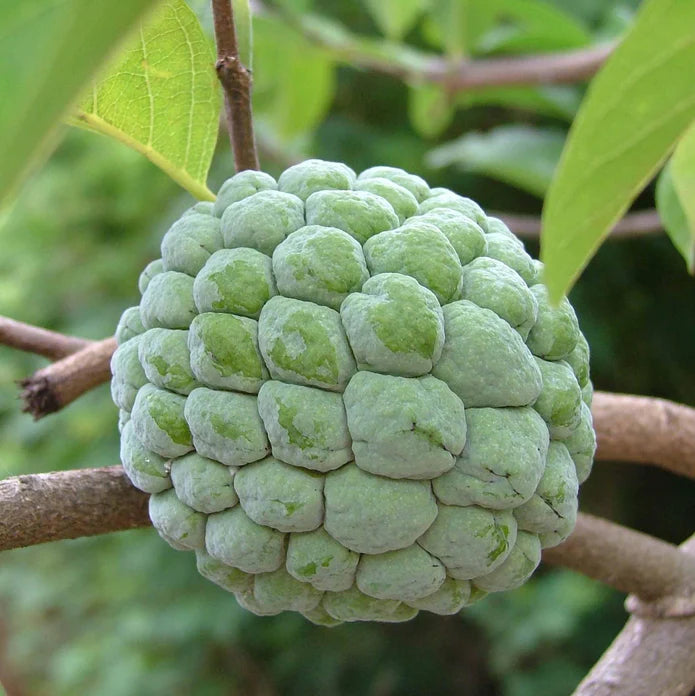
(670, 607)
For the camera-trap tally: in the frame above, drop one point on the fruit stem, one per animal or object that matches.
(236, 82)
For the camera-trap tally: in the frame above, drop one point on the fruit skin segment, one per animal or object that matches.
(349, 395)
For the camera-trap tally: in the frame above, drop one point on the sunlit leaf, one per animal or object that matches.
(49, 49)
(395, 17)
(672, 204)
(636, 108)
(518, 155)
(161, 97)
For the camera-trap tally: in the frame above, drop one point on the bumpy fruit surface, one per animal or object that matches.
(350, 396)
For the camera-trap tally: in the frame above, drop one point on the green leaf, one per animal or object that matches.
(682, 174)
(558, 101)
(518, 155)
(295, 81)
(161, 97)
(49, 49)
(453, 24)
(672, 214)
(395, 18)
(530, 25)
(636, 108)
(430, 108)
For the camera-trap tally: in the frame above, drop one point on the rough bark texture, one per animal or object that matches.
(625, 559)
(55, 386)
(645, 430)
(68, 504)
(32, 339)
(637, 224)
(236, 82)
(652, 656)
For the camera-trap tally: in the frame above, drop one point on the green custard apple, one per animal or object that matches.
(350, 397)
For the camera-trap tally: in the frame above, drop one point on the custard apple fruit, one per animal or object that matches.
(350, 397)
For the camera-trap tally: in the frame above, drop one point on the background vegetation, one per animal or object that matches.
(125, 614)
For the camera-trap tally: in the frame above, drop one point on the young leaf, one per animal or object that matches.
(395, 18)
(161, 97)
(672, 213)
(518, 155)
(49, 49)
(636, 108)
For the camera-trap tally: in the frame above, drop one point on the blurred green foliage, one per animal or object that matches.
(125, 614)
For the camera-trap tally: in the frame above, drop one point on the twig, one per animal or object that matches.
(651, 655)
(236, 83)
(417, 66)
(32, 339)
(68, 504)
(645, 430)
(638, 224)
(55, 386)
(625, 559)
(64, 505)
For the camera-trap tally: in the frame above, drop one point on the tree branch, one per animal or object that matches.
(638, 224)
(651, 655)
(64, 505)
(410, 64)
(32, 339)
(68, 504)
(625, 559)
(236, 82)
(645, 430)
(55, 386)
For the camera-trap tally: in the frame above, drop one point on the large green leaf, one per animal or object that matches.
(48, 50)
(672, 213)
(294, 82)
(161, 97)
(518, 155)
(395, 17)
(681, 172)
(636, 108)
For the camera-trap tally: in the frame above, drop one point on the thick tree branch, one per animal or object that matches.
(55, 386)
(236, 82)
(645, 430)
(638, 224)
(625, 559)
(68, 504)
(32, 339)
(84, 502)
(651, 655)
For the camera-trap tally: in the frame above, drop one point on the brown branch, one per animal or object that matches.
(651, 655)
(68, 504)
(410, 64)
(625, 559)
(638, 224)
(46, 507)
(55, 386)
(645, 430)
(32, 339)
(236, 82)
(545, 68)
